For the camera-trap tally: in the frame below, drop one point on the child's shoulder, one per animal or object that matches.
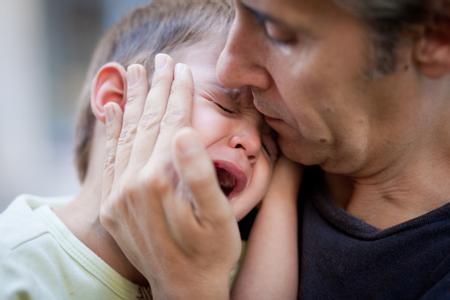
(41, 259)
(27, 262)
(21, 224)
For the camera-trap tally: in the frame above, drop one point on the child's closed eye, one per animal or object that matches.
(227, 110)
(221, 100)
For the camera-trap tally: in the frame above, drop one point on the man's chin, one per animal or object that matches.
(307, 155)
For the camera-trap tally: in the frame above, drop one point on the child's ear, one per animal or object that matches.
(432, 51)
(109, 84)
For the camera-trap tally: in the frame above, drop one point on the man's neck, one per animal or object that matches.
(404, 191)
(81, 217)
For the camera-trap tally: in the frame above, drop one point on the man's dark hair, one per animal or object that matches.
(390, 19)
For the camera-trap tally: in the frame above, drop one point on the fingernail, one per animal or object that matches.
(160, 61)
(109, 112)
(133, 74)
(180, 69)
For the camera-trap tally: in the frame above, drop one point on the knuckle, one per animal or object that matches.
(150, 120)
(155, 182)
(118, 204)
(220, 218)
(127, 187)
(180, 86)
(161, 78)
(132, 97)
(109, 137)
(127, 134)
(135, 94)
(109, 166)
(107, 217)
(174, 118)
(109, 162)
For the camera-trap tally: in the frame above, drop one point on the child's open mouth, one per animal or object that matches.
(231, 179)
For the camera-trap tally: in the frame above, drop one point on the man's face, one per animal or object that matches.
(235, 136)
(309, 64)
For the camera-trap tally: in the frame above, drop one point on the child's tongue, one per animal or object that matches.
(226, 180)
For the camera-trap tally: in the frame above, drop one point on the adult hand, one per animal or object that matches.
(161, 201)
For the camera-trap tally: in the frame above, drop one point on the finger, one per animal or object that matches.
(155, 106)
(178, 111)
(180, 215)
(113, 125)
(197, 172)
(137, 87)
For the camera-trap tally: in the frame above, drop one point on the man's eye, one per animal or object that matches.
(223, 108)
(278, 34)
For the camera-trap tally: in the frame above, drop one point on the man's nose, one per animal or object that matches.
(238, 63)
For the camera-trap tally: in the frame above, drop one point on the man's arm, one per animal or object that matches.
(270, 266)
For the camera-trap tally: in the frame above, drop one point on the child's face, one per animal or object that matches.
(237, 140)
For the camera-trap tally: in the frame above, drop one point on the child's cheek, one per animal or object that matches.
(209, 123)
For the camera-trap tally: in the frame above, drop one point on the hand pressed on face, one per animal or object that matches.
(149, 156)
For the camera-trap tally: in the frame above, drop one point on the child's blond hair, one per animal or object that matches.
(160, 26)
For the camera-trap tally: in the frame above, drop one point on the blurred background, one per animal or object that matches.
(45, 48)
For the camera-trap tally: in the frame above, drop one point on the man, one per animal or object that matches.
(362, 90)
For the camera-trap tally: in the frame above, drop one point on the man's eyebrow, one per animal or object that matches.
(262, 16)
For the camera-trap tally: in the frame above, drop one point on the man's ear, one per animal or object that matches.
(109, 84)
(432, 51)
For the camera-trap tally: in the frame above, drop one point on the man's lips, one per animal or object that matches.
(238, 176)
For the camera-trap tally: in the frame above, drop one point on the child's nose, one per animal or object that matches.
(249, 142)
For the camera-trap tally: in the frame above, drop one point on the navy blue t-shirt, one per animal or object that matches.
(342, 257)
